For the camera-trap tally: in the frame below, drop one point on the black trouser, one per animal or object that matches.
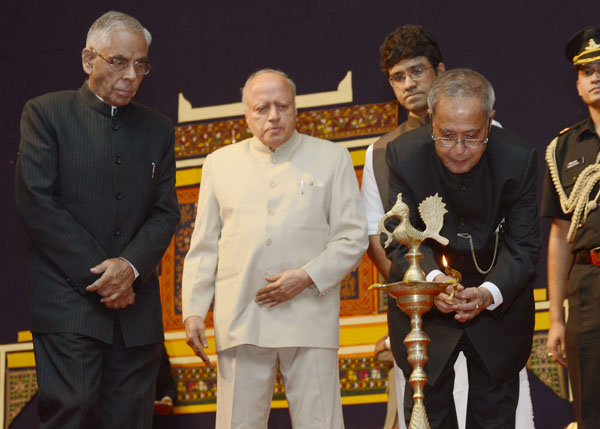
(85, 383)
(489, 405)
(583, 343)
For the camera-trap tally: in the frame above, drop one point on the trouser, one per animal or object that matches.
(489, 405)
(85, 383)
(246, 375)
(583, 343)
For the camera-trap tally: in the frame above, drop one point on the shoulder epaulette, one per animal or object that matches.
(564, 130)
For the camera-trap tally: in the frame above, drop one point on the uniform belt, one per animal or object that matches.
(591, 257)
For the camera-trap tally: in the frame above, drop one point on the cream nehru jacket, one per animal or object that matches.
(261, 213)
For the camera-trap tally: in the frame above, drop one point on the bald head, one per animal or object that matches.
(267, 71)
(269, 106)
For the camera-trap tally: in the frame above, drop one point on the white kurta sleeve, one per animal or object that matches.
(370, 194)
(200, 264)
(347, 229)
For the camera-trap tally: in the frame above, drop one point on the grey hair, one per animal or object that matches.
(264, 71)
(103, 28)
(462, 83)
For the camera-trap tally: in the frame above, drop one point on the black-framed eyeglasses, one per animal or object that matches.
(415, 73)
(119, 65)
(453, 141)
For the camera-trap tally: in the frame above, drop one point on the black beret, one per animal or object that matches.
(584, 46)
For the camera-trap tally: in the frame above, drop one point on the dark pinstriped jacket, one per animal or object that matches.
(92, 186)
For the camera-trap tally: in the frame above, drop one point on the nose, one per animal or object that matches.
(273, 113)
(459, 147)
(130, 73)
(409, 82)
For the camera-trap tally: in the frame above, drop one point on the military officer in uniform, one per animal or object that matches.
(571, 199)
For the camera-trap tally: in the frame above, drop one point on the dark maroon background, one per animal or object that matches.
(206, 50)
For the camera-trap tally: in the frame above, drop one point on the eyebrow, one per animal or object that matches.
(401, 73)
(588, 67)
(408, 68)
(448, 131)
(123, 57)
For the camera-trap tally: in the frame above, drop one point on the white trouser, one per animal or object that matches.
(246, 375)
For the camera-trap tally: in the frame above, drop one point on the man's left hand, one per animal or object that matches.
(115, 283)
(283, 287)
(472, 301)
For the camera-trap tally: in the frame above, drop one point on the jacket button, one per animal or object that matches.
(462, 221)
(118, 196)
(117, 232)
(117, 159)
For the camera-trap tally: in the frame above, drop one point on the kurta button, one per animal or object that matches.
(117, 159)
(462, 221)
(274, 158)
(117, 232)
(268, 241)
(118, 196)
(272, 184)
(270, 212)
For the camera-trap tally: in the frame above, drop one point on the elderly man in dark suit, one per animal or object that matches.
(487, 178)
(95, 186)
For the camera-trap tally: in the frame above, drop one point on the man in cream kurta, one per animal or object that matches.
(280, 223)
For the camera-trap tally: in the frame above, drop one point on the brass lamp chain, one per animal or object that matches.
(577, 201)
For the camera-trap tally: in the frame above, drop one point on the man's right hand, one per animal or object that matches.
(556, 342)
(115, 284)
(439, 302)
(196, 337)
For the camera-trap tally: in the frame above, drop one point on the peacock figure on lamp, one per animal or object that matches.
(432, 211)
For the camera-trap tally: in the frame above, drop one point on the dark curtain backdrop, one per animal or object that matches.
(206, 49)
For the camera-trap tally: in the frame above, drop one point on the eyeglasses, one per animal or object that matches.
(415, 73)
(453, 141)
(119, 65)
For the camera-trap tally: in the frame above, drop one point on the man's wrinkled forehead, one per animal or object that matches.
(462, 99)
(268, 86)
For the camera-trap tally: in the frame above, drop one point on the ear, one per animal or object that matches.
(491, 120)
(441, 68)
(577, 83)
(87, 59)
